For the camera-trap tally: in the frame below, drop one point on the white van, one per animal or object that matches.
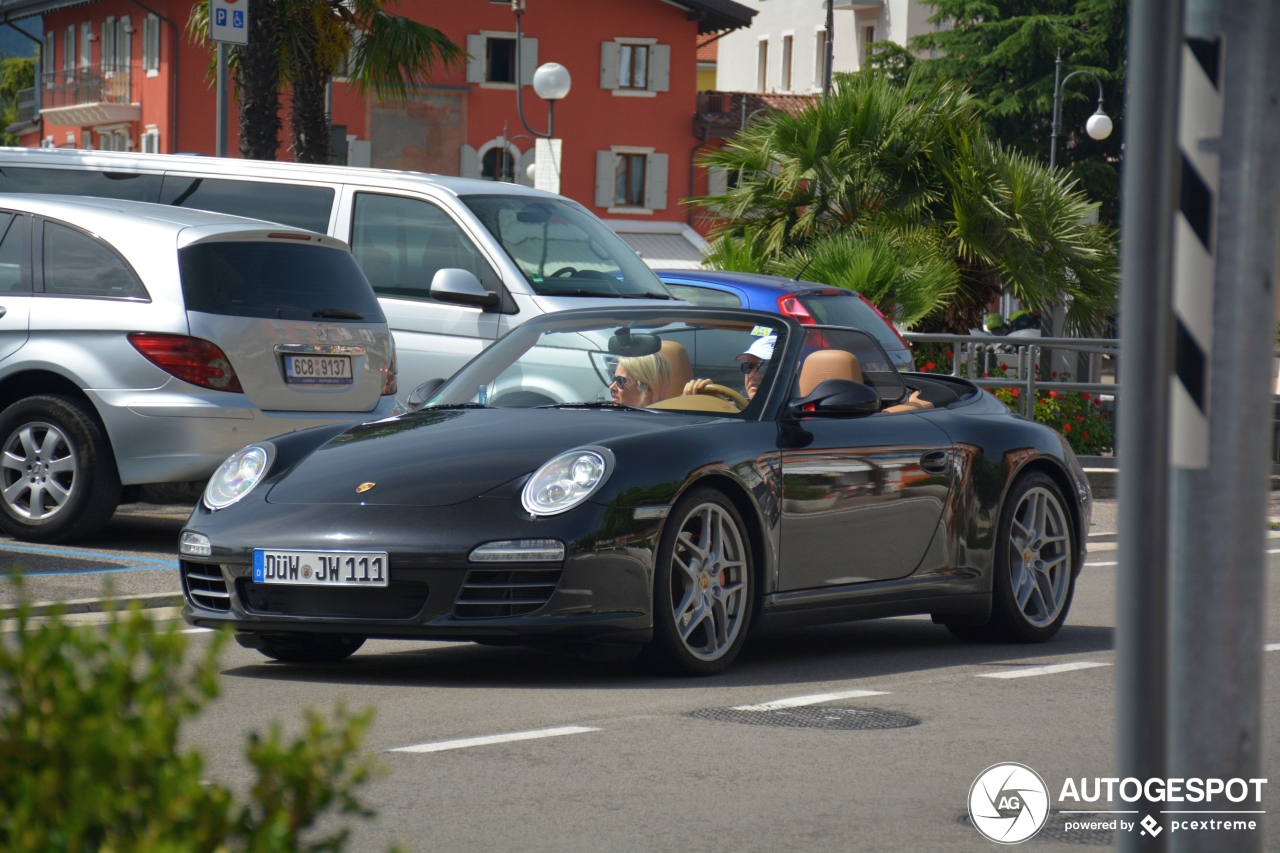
(455, 262)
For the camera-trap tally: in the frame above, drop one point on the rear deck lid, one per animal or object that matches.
(294, 315)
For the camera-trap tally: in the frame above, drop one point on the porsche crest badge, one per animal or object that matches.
(364, 487)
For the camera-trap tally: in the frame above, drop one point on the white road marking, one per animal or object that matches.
(812, 699)
(1043, 670)
(1104, 546)
(1271, 647)
(1111, 563)
(197, 631)
(463, 743)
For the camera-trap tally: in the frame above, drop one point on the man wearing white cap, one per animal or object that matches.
(753, 367)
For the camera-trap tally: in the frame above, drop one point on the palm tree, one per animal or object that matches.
(893, 188)
(303, 43)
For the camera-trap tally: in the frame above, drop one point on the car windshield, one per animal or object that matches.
(651, 362)
(563, 250)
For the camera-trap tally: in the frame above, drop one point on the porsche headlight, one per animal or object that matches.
(236, 477)
(566, 481)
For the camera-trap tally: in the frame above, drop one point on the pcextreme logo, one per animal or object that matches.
(1008, 803)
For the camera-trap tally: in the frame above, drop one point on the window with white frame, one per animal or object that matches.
(786, 62)
(868, 39)
(762, 65)
(108, 49)
(492, 59)
(69, 52)
(151, 45)
(151, 140)
(635, 66)
(631, 180)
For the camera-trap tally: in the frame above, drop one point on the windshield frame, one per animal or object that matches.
(524, 337)
(640, 280)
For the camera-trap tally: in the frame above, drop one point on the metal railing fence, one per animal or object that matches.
(975, 355)
(112, 83)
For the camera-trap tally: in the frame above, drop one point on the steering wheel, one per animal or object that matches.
(563, 272)
(725, 394)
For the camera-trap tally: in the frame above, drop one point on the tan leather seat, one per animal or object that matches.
(681, 369)
(828, 364)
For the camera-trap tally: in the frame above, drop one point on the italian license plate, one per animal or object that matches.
(320, 568)
(318, 369)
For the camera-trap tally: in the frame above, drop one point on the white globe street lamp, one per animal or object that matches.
(1098, 126)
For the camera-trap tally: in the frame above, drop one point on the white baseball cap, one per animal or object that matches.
(761, 348)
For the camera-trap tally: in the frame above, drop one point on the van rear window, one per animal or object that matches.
(289, 204)
(90, 182)
(276, 280)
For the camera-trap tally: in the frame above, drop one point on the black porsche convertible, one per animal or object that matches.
(663, 479)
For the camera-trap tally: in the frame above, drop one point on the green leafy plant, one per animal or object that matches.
(892, 187)
(90, 720)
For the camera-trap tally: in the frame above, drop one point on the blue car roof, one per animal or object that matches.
(762, 284)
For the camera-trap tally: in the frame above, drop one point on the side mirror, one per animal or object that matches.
(419, 396)
(837, 398)
(462, 288)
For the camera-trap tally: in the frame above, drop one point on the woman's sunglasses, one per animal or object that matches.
(621, 382)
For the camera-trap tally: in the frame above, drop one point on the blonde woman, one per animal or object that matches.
(641, 381)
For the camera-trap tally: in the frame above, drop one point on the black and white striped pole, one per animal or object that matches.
(1227, 250)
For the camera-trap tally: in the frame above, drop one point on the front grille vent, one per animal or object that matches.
(487, 594)
(205, 586)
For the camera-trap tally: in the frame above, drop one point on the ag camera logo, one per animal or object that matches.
(1008, 803)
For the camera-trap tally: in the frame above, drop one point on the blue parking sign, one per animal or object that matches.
(220, 19)
(237, 20)
(228, 21)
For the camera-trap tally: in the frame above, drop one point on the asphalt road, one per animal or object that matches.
(642, 763)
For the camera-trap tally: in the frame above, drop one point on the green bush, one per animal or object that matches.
(90, 720)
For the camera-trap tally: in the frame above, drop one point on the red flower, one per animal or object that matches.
(929, 366)
(1066, 427)
(1055, 374)
(1080, 419)
(1013, 391)
(1053, 395)
(1086, 435)
(1085, 397)
(986, 376)
(950, 354)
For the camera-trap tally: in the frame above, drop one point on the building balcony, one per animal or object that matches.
(91, 95)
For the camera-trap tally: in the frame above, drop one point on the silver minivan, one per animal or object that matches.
(141, 345)
(522, 252)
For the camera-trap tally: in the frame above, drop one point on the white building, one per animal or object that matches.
(784, 48)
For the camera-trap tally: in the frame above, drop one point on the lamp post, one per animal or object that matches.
(551, 82)
(1099, 124)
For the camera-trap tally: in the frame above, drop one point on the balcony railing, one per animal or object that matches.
(90, 94)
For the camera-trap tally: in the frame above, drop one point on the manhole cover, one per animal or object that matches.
(1055, 831)
(812, 718)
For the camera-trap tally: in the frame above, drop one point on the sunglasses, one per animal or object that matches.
(750, 367)
(622, 381)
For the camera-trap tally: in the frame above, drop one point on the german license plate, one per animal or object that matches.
(320, 568)
(318, 369)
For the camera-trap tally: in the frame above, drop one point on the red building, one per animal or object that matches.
(121, 75)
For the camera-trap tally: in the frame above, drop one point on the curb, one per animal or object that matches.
(1102, 481)
(97, 605)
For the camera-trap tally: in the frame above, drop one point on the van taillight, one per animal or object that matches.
(791, 307)
(389, 384)
(190, 359)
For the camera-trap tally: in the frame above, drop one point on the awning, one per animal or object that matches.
(662, 245)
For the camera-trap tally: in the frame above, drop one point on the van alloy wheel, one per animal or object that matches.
(39, 470)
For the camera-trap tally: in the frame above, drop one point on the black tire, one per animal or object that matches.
(1047, 599)
(308, 648)
(722, 608)
(68, 437)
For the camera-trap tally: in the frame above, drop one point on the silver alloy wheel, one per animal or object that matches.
(709, 582)
(39, 470)
(1040, 557)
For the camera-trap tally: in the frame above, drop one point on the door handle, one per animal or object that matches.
(934, 462)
